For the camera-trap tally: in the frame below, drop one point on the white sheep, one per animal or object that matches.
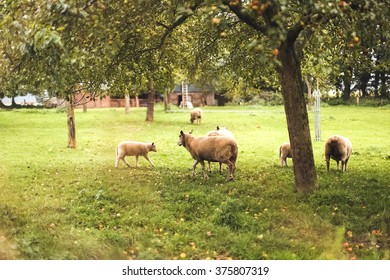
(284, 153)
(134, 148)
(220, 131)
(210, 148)
(338, 148)
(196, 114)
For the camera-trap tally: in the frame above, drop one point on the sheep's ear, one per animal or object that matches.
(153, 144)
(217, 127)
(191, 131)
(181, 133)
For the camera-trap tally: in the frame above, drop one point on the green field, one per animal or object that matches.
(60, 203)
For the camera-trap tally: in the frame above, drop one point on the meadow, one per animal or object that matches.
(60, 203)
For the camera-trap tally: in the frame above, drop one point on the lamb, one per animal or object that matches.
(133, 148)
(196, 114)
(284, 153)
(220, 131)
(338, 148)
(211, 148)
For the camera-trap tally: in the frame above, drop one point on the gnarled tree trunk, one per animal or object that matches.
(297, 120)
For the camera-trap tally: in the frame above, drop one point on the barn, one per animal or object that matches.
(197, 96)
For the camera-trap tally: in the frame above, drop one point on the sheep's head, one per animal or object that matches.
(153, 148)
(181, 141)
(333, 141)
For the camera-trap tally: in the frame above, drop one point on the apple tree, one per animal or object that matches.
(282, 32)
(57, 47)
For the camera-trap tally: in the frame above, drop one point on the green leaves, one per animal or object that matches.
(46, 38)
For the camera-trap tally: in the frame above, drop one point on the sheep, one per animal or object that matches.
(220, 131)
(134, 148)
(338, 148)
(196, 114)
(211, 148)
(284, 153)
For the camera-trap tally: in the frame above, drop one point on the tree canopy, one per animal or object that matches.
(53, 45)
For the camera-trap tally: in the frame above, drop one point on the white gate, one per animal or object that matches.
(317, 101)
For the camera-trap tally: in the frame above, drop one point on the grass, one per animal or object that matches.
(60, 203)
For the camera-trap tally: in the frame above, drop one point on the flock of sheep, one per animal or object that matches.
(338, 148)
(219, 145)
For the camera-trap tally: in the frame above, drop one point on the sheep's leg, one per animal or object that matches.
(327, 164)
(125, 161)
(234, 168)
(338, 165)
(210, 167)
(194, 168)
(148, 159)
(231, 170)
(204, 169)
(220, 168)
(345, 165)
(117, 162)
(136, 161)
(283, 161)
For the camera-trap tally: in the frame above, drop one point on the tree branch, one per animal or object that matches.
(89, 4)
(245, 17)
(180, 20)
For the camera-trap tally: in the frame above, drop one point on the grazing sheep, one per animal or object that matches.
(220, 131)
(133, 148)
(196, 114)
(338, 148)
(284, 153)
(211, 148)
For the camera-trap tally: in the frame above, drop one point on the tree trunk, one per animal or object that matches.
(150, 102)
(364, 78)
(297, 120)
(127, 103)
(71, 123)
(166, 100)
(347, 81)
(85, 107)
